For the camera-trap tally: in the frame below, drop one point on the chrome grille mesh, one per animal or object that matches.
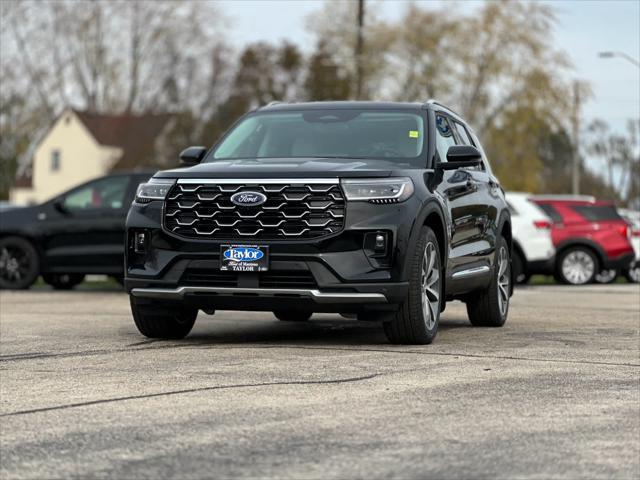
(292, 211)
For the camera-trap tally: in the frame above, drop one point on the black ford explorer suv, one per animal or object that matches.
(383, 210)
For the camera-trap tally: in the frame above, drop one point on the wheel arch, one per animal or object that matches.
(431, 215)
(584, 243)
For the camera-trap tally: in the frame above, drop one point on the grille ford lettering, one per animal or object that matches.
(245, 254)
(248, 199)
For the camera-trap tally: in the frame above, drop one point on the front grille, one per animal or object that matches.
(205, 277)
(291, 211)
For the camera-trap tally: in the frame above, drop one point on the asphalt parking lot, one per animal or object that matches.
(555, 393)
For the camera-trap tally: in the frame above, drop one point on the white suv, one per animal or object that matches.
(633, 218)
(533, 250)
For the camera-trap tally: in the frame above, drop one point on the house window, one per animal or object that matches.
(55, 160)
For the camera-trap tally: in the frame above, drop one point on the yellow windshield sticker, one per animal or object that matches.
(414, 134)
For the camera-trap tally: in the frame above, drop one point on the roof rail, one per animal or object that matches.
(432, 101)
(274, 102)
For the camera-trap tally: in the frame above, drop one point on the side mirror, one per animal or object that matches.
(58, 204)
(192, 155)
(461, 156)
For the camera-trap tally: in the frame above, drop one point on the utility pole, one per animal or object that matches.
(575, 125)
(359, 50)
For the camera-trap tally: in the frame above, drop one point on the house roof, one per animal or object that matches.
(134, 134)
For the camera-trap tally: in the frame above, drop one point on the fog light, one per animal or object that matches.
(377, 244)
(140, 242)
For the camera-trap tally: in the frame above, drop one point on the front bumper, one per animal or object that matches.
(330, 274)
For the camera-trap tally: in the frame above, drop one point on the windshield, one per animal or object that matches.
(325, 133)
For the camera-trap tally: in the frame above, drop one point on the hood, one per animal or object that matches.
(287, 168)
(17, 217)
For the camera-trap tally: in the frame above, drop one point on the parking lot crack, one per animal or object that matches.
(190, 390)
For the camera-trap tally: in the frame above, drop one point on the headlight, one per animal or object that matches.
(154, 189)
(374, 190)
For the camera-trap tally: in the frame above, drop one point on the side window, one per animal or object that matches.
(478, 145)
(444, 137)
(551, 212)
(106, 193)
(463, 134)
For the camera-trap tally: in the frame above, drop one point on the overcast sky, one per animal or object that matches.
(585, 28)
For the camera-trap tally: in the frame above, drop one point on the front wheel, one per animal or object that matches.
(416, 322)
(19, 263)
(159, 320)
(490, 307)
(632, 274)
(63, 281)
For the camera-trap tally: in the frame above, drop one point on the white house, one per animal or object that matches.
(80, 146)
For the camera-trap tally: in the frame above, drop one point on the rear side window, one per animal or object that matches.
(597, 213)
(551, 212)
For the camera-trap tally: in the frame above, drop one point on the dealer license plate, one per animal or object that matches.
(244, 258)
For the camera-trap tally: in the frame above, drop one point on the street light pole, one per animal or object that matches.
(629, 58)
(575, 124)
(359, 49)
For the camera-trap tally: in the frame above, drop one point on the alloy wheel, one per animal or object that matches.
(578, 267)
(606, 276)
(14, 264)
(634, 272)
(504, 280)
(430, 285)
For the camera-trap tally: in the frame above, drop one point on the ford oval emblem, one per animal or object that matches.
(243, 254)
(248, 199)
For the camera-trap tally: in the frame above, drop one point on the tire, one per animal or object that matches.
(19, 263)
(520, 275)
(416, 322)
(63, 281)
(632, 274)
(292, 315)
(606, 276)
(158, 320)
(577, 266)
(490, 307)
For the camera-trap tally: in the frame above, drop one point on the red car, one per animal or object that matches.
(589, 236)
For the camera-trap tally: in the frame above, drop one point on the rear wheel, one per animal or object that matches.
(159, 320)
(606, 276)
(292, 315)
(577, 266)
(63, 281)
(19, 263)
(520, 270)
(490, 307)
(416, 322)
